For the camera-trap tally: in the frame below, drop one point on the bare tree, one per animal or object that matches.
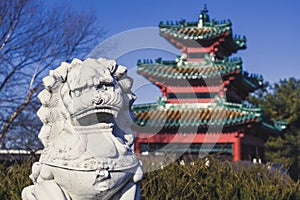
(34, 39)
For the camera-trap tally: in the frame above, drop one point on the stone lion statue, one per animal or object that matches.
(86, 135)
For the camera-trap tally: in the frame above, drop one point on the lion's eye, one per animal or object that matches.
(100, 87)
(104, 85)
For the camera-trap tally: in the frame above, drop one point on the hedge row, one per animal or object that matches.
(199, 180)
(13, 178)
(218, 180)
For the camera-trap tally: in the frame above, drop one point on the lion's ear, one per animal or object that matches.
(119, 71)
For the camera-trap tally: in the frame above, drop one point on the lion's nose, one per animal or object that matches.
(98, 101)
(98, 98)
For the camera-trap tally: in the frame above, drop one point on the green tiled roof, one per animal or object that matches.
(175, 71)
(209, 29)
(187, 115)
(253, 81)
(194, 33)
(188, 70)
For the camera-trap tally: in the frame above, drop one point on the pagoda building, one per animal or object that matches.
(202, 108)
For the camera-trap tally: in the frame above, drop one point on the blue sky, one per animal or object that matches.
(272, 27)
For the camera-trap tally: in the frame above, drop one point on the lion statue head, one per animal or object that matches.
(85, 115)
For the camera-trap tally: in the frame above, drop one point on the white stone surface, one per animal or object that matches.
(86, 134)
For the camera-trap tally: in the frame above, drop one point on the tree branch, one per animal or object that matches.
(16, 113)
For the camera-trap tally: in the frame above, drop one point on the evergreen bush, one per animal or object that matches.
(198, 180)
(218, 180)
(14, 176)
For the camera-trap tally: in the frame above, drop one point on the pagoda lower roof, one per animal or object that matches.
(195, 115)
(174, 72)
(209, 30)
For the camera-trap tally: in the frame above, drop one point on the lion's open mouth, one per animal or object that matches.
(95, 118)
(96, 114)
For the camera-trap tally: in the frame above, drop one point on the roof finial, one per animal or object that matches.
(205, 10)
(203, 18)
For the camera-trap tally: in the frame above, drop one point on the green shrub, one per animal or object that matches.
(219, 180)
(13, 178)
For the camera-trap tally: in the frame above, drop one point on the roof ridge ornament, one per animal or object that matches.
(205, 10)
(204, 17)
(220, 102)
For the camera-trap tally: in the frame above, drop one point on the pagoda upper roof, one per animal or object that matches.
(196, 114)
(204, 29)
(172, 72)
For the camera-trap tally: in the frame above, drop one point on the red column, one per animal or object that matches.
(237, 147)
(137, 146)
